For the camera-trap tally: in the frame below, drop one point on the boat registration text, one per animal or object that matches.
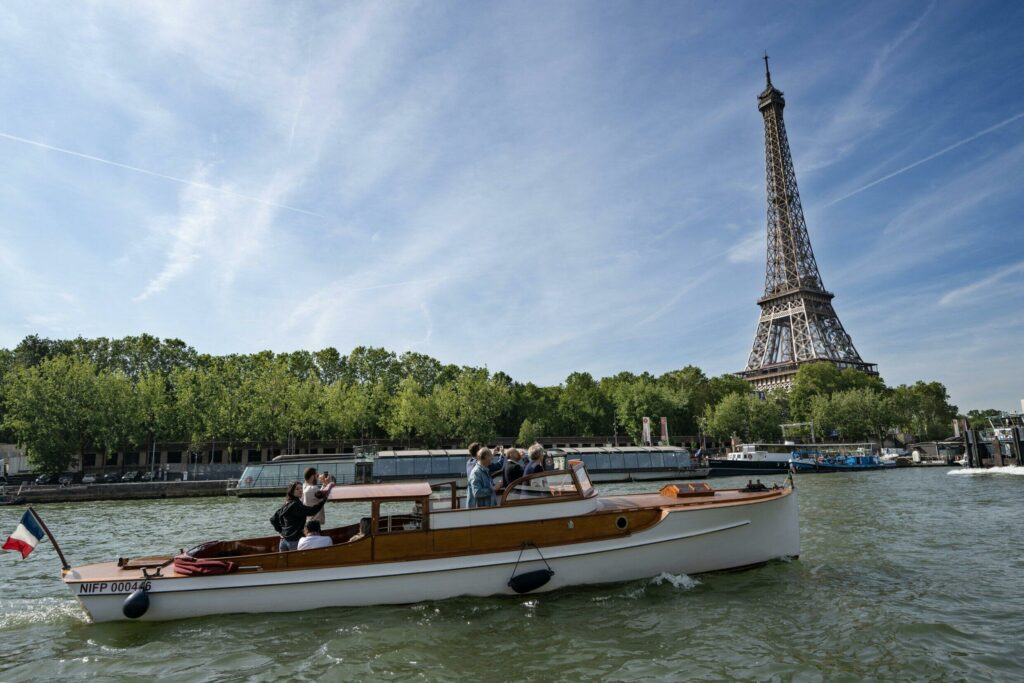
(101, 587)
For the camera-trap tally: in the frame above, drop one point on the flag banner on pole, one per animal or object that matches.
(26, 537)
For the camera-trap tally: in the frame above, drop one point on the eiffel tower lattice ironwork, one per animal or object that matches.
(798, 324)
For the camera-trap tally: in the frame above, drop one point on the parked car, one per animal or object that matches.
(66, 479)
(130, 476)
(108, 478)
(147, 476)
(90, 479)
(45, 480)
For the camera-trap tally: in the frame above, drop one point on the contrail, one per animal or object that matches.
(183, 181)
(929, 157)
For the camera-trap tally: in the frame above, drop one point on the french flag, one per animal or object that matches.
(26, 537)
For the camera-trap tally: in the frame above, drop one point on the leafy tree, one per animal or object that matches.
(746, 417)
(582, 407)
(723, 385)
(409, 411)
(49, 410)
(480, 401)
(924, 410)
(633, 402)
(529, 433)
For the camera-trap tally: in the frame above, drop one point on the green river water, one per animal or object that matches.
(911, 574)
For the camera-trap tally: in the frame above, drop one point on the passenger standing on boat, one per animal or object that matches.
(312, 493)
(290, 518)
(474, 448)
(481, 486)
(536, 455)
(498, 464)
(513, 469)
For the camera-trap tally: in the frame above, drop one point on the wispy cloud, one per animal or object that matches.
(936, 155)
(984, 284)
(155, 174)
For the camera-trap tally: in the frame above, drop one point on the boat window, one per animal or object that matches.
(405, 467)
(589, 460)
(616, 461)
(670, 460)
(400, 515)
(631, 461)
(603, 462)
(384, 467)
(541, 486)
(643, 461)
(422, 466)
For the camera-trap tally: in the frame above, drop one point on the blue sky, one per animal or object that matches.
(535, 187)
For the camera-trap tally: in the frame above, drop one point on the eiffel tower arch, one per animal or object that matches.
(798, 324)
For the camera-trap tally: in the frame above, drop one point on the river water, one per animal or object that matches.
(910, 574)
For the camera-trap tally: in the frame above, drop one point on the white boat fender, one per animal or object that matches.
(530, 581)
(136, 604)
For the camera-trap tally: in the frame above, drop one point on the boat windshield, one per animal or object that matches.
(541, 486)
(584, 479)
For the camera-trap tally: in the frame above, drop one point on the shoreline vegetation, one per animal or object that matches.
(62, 398)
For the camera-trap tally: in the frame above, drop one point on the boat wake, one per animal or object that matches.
(1016, 470)
(676, 580)
(17, 614)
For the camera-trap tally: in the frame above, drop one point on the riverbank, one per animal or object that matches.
(148, 490)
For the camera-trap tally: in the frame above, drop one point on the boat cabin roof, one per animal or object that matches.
(361, 492)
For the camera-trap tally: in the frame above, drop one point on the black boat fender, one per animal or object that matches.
(136, 604)
(530, 581)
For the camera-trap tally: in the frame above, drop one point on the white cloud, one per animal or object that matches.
(986, 285)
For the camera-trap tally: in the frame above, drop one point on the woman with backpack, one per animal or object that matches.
(290, 518)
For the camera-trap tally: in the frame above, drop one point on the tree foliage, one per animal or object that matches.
(61, 398)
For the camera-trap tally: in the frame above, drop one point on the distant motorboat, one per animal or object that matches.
(816, 461)
(748, 459)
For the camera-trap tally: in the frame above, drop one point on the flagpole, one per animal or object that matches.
(56, 546)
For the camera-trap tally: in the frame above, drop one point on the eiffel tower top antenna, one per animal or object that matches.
(767, 73)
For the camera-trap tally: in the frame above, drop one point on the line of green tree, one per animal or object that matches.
(839, 404)
(62, 398)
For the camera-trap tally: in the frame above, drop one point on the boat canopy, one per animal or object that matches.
(364, 492)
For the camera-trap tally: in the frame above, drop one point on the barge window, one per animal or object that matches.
(384, 467)
(422, 466)
(405, 467)
(631, 461)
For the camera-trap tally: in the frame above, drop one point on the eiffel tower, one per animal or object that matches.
(798, 324)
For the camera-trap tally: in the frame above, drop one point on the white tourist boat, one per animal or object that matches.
(552, 530)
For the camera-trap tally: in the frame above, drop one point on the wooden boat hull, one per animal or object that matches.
(683, 541)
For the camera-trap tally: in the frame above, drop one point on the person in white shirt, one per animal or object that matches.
(311, 537)
(312, 493)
